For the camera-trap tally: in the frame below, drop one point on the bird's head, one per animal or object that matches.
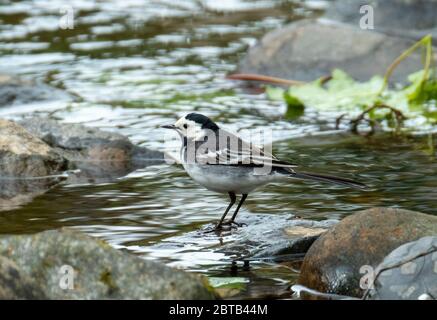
(193, 126)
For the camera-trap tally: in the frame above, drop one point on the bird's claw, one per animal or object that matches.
(225, 226)
(239, 224)
(233, 224)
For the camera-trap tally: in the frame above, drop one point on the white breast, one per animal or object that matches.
(223, 179)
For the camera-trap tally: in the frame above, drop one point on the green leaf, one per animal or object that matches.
(295, 108)
(344, 94)
(275, 93)
(374, 97)
(293, 102)
(341, 93)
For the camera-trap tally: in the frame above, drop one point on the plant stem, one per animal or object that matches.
(425, 41)
(259, 77)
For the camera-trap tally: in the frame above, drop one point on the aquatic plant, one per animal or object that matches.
(373, 102)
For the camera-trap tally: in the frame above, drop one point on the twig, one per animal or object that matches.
(338, 120)
(400, 117)
(259, 77)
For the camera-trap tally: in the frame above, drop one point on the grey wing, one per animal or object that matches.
(234, 151)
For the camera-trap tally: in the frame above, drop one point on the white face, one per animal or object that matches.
(190, 129)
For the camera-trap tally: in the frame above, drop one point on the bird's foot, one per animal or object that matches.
(218, 229)
(234, 224)
(225, 226)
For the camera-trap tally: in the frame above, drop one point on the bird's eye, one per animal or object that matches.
(185, 126)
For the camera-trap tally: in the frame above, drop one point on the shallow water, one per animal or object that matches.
(134, 65)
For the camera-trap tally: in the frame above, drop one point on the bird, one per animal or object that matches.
(222, 162)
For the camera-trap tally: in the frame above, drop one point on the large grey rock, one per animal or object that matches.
(408, 273)
(36, 151)
(28, 166)
(15, 285)
(100, 271)
(309, 49)
(99, 154)
(334, 261)
(24, 155)
(404, 18)
(14, 91)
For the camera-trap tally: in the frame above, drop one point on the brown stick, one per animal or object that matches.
(259, 77)
(398, 114)
(338, 121)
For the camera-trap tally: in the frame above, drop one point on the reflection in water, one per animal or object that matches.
(133, 66)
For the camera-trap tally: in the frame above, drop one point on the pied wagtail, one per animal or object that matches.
(222, 162)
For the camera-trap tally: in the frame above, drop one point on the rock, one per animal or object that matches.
(263, 237)
(15, 285)
(310, 49)
(23, 155)
(42, 149)
(408, 273)
(333, 262)
(274, 236)
(28, 166)
(100, 271)
(99, 154)
(14, 91)
(404, 18)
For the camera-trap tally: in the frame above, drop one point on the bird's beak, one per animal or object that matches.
(169, 126)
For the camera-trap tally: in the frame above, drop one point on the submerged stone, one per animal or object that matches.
(262, 237)
(15, 91)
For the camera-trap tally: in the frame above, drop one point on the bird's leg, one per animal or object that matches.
(233, 198)
(232, 220)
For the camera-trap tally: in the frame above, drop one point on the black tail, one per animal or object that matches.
(330, 179)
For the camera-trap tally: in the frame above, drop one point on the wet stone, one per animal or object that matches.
(28, 166)
(97, 153)
(16, 91)
(335, 261)
(96, 270)
(36, 153)
(24, 155)
(14, 284)
(263, 236)
(408, 273)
